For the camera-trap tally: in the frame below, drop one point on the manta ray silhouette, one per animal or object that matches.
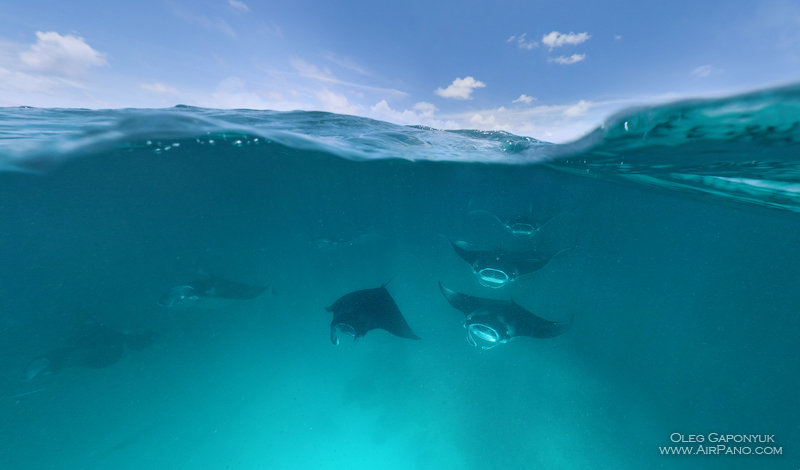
(210, 286)
(495, 268)
(97, 346)
(517, 225)
(500, 321)
(359, 312)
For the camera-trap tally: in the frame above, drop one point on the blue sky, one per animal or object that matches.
(550, 70)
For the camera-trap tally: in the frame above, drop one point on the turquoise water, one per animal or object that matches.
(681, 269)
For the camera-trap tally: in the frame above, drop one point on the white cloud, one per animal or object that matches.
(460, 89)
(61, 56)
(484, 122)
(345, 62)
(617, 37)
(426, 109)
(241, 6)
(232, 94)
(523, 44)
(556, 39)
(422, 113)
(706, 71)
(306, 69)
(563, 60)
(382, 111)
(335, 102)
(231, 84)
(14, 80)
(578, 109)
(553, 123)
(159, 88)
(309, 70)
(49, 73)
(523, 98)
(235, 93)
(18, 88)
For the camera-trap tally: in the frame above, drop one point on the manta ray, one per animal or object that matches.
(95, 347)
(208, 286)
(500, 321)
(358, 312)
(496, 268)
(518, 225)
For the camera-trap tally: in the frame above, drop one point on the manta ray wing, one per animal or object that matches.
(526, 323)
(512, 263)
(361, 311)
(465, 303)
(534, 260)
(506, 318)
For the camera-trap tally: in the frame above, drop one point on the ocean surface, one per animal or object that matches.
(673, 236)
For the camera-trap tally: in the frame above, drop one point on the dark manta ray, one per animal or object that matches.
(495, 268)
(499, 321)
(96, 347)
(209, 286)
(361, 311)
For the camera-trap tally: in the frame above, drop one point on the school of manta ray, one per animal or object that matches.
(488, 322)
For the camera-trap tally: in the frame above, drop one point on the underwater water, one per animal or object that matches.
(675, 237)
